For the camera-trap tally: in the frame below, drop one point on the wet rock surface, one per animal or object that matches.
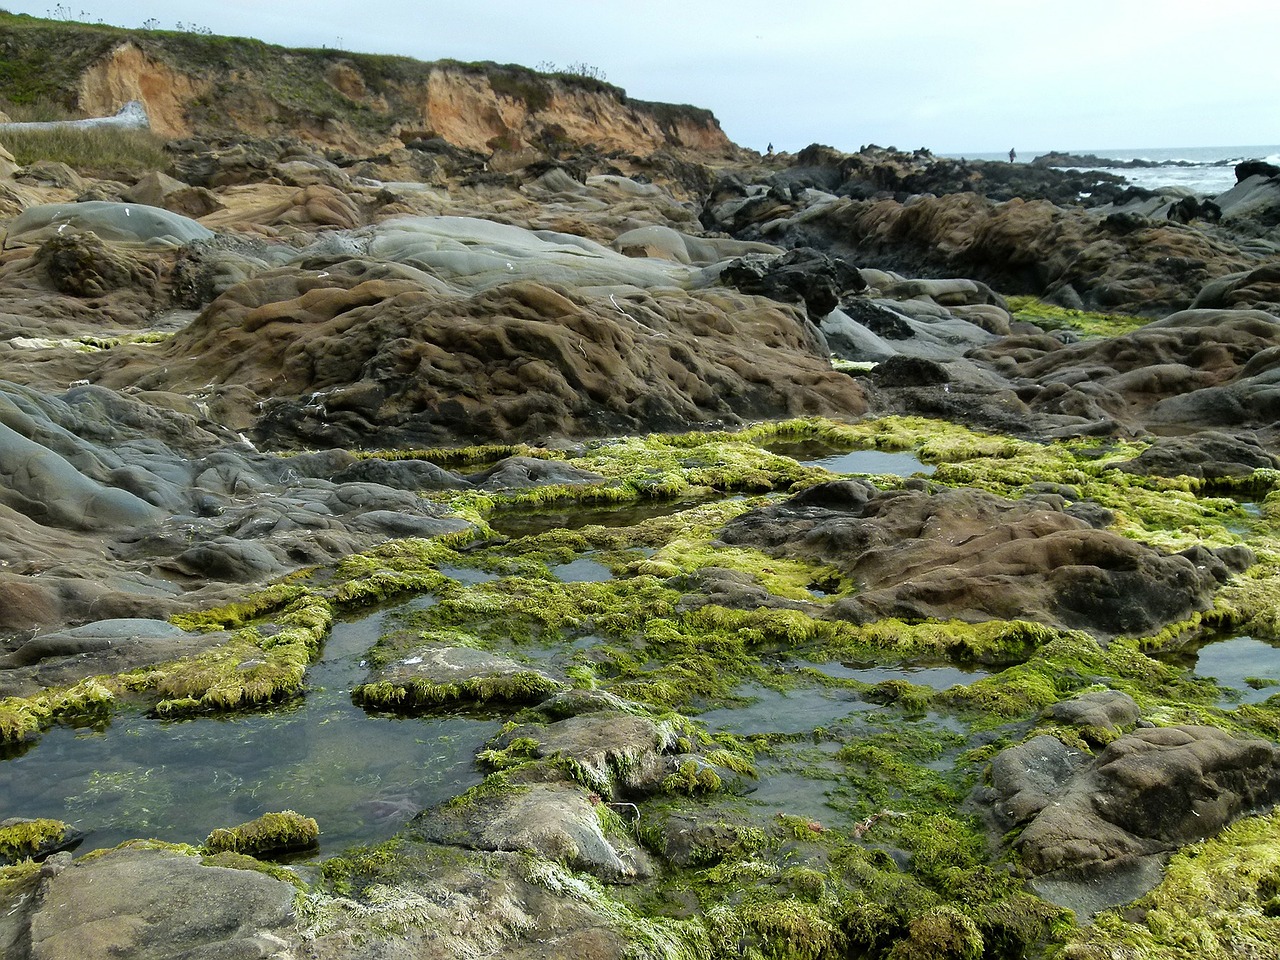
(137, 902)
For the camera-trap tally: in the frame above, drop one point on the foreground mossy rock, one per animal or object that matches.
(1095, 830)
(271, 833)
(965, 554)
(431, 677)
(557, 821)
(419, 899)
(146, 904)
(22, 839)
(615, 754)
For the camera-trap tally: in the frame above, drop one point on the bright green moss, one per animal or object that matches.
(692, 778)
(1088, 324)
(24, 717)
(524, 686)
(233, 615)
(343, 874)
(792, 929)
(26, 839)
(942, 933)
(242, 861)
(270, 833)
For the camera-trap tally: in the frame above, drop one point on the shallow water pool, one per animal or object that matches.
(359, 775)
(867, 462)
(1248, 668)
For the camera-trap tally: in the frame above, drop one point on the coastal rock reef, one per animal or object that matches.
(455, 510)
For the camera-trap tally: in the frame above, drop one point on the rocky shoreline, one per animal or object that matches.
(285, 383)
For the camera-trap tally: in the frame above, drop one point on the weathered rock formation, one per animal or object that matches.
(918, 553)
(1095, 828)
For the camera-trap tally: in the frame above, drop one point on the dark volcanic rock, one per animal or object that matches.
(1148, 793)
(1195, 368)
(803, 275)
(973, 556)
(1205, 456)
(125, 510)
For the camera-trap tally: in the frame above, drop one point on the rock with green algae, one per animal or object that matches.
(930, 552)
(23, 839)
(1218, 900)
(412, 898)
(1094, 830)
(558, 821)
(271, 833)
(609, 752)
(430, 677)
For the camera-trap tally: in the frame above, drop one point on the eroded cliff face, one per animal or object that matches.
(127, 73)
(468, 106)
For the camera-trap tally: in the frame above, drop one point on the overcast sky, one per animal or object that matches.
(955, 76)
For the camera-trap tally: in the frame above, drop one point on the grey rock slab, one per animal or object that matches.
(614, 753)
(553, 820)
(1102, 708)
(149, 904)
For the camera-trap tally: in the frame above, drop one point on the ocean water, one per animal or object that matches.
(1204, 171)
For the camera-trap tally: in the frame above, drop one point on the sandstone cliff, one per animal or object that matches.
(193, 84)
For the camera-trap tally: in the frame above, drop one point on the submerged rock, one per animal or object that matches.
(431, 677)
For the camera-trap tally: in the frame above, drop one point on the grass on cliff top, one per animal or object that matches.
(45, 59)
(109, 153)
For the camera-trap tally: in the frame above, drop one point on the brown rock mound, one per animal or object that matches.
(362, 354)
(970, 555)
(1204, 368)
(1129, 265)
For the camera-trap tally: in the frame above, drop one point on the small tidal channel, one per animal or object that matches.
(359, 775)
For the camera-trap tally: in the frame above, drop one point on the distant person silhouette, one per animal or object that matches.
(1012, 155)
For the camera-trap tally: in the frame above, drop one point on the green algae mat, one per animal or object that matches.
(811, 773)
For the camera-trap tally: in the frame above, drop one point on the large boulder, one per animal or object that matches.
(921, 553)
(146, 904)
(363, 354)
(1095, 830)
